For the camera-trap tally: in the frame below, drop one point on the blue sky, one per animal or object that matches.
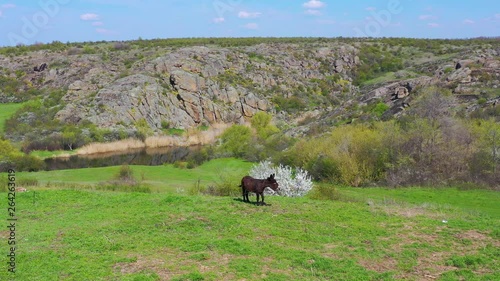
(31, 21)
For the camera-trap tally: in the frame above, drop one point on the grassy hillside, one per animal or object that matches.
(6, 111)
(89, 235)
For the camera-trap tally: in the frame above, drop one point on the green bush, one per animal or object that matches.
(375, 62)
(380, 108)
(124, 182)
(10, 157)
(324, 192)
(290, 105)
(236, 140)
(125, 174)
(351, 155)
(261, 122)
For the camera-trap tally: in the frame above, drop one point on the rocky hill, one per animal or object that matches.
(302, 83)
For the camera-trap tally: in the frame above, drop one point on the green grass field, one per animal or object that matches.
(160, 178)
(64, 233)
(95, 235)
(6, 111)
(43, 154)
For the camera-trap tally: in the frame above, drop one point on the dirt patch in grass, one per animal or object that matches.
(429, 267)
(168, 264)
(433, 249)
(4, 234)
(477, 238)
(380, 266)
(396, 208)
(144, 264)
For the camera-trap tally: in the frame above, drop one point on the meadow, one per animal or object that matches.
(166, 178)
(65, 232)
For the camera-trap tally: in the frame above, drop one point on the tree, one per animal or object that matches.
(69, 137)
(488, 134)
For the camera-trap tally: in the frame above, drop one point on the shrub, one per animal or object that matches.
(10, 157)
(124, 182)
(380, 108)
(351, 155)
(261, 122)
(125, 174)
(222, 187)
(290, 105)
(236, 140)
(325, 192)
(292, 183)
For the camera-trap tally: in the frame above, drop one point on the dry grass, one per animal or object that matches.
(183, 264)
(197, 137)
(163, 141)
(121, 145)
(190, 138)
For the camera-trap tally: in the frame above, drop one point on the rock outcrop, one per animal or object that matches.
(201, 85)
(197, 85)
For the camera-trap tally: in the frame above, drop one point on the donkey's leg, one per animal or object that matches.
(263, 198)
(256, 193)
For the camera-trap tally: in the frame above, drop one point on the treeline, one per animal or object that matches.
(430, 146)
(424, 44)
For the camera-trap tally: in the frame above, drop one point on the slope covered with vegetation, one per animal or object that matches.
(391, 111)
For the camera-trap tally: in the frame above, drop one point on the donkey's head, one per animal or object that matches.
(273, 184)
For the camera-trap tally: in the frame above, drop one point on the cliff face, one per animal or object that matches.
(183, 87)
(116, 88)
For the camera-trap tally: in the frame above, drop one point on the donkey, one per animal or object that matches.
(249, 184)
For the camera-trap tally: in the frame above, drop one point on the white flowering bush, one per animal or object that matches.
(291, 184)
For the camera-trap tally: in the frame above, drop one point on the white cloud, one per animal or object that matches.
(469, 21)
(433, 24)
(314, 4)
(218, 20)
(313, 12)
(251, 25)
(89, 16)
(97, 23)
(248, 15)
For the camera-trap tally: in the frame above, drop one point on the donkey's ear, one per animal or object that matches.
(272, 176)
